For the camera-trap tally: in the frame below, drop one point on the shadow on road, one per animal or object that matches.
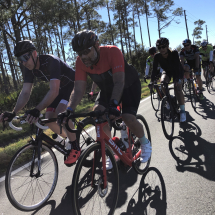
(150, 197)
(192, 152)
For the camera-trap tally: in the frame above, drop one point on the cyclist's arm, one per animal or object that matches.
(51, 95)
(23, 97)
(211, 56)
(77, 93)
(119, 81)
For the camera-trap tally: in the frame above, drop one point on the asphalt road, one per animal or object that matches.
(182, 189)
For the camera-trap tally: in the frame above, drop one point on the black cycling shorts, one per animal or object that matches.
(63, 96)
(130, 98)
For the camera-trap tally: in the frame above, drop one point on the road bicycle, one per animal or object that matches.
(94, 189)
(209, 78)
(169, 111)
(32, 173)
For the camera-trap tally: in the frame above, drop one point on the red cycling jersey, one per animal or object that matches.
(110, 58)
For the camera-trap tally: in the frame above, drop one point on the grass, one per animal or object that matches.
(11, 141)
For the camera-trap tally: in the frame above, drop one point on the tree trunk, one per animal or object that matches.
(129, 44)
(4, 76)
(120, 33)
(110, 23)
(77, 16)
(140, 26)
(135, 45)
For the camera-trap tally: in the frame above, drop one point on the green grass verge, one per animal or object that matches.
(12, 140)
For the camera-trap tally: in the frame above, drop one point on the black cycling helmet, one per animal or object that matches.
(186, 41)
(152, 50)
(23, 47)
(162, 42)
(83, 40)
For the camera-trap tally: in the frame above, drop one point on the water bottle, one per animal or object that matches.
(119, 143)
(57, 138)
(124, 135)
(64, 142)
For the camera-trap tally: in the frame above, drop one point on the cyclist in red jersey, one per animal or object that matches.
(118, 82)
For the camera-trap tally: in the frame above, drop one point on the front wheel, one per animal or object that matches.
(193, 95)
(89, 196)
(139, 167)
(25, 189)
(167, 118)
(155, 99)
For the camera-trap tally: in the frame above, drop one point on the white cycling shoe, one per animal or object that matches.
(146, 151)
(109, 164)
(182, 116)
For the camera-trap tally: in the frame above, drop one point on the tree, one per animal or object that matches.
(197, 31)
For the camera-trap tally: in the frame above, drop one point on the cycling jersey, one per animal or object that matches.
(207, 54)
(189, 55)
(51, 67)
(111, 61)
(171, 65)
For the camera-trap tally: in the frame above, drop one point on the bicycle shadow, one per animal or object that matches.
(206, 109)
(150, 197)
(193, 153)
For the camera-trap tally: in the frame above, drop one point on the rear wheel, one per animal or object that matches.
(88, 193)
(155, 99)
(167, 118)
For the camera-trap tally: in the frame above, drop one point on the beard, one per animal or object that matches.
(90, 61)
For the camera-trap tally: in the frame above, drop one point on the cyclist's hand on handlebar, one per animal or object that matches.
(62, 117)
(32, 115)
(7, 116)
(112, 109)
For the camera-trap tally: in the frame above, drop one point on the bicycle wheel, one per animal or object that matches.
(193, 95)
(180, 150)
(186, 88)
(139, 167)
(27, 192)
(89, 197)
(167, 118)
(155, 100)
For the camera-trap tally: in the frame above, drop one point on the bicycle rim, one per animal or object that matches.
(91, 198)
(167, 118)
(137, 165)
(28, 193)
(155, 100)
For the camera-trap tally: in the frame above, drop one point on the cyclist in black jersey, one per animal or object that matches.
(190, 54)
(50, 69)
(169, 62)
(117, 80)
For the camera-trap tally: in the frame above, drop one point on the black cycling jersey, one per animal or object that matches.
(51, 67)
(190, 55)
(171, 65)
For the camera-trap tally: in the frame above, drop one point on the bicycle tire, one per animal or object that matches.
(168, 117)
(155, 100)
(139, 167)
(193, 95)
(82, 205)
(20, 166)
(185, 88)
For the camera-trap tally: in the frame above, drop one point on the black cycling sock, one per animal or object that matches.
(75, 145)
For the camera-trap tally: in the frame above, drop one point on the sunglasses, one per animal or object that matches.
(186, 45)
(84, 52)
(24, 58)
(161, 47)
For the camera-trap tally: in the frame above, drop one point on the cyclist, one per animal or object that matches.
(118, 82)
(207, 57)
(149, 61)
(48, 68)
(191, 54)
(169, 62)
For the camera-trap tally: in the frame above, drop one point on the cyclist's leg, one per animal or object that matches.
(164, 78)
(130, 103)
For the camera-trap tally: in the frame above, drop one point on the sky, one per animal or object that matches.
(176, 33)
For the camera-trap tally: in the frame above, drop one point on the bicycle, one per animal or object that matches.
(169, 112)
(209, 78)
(32, 174)
(94, 182)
